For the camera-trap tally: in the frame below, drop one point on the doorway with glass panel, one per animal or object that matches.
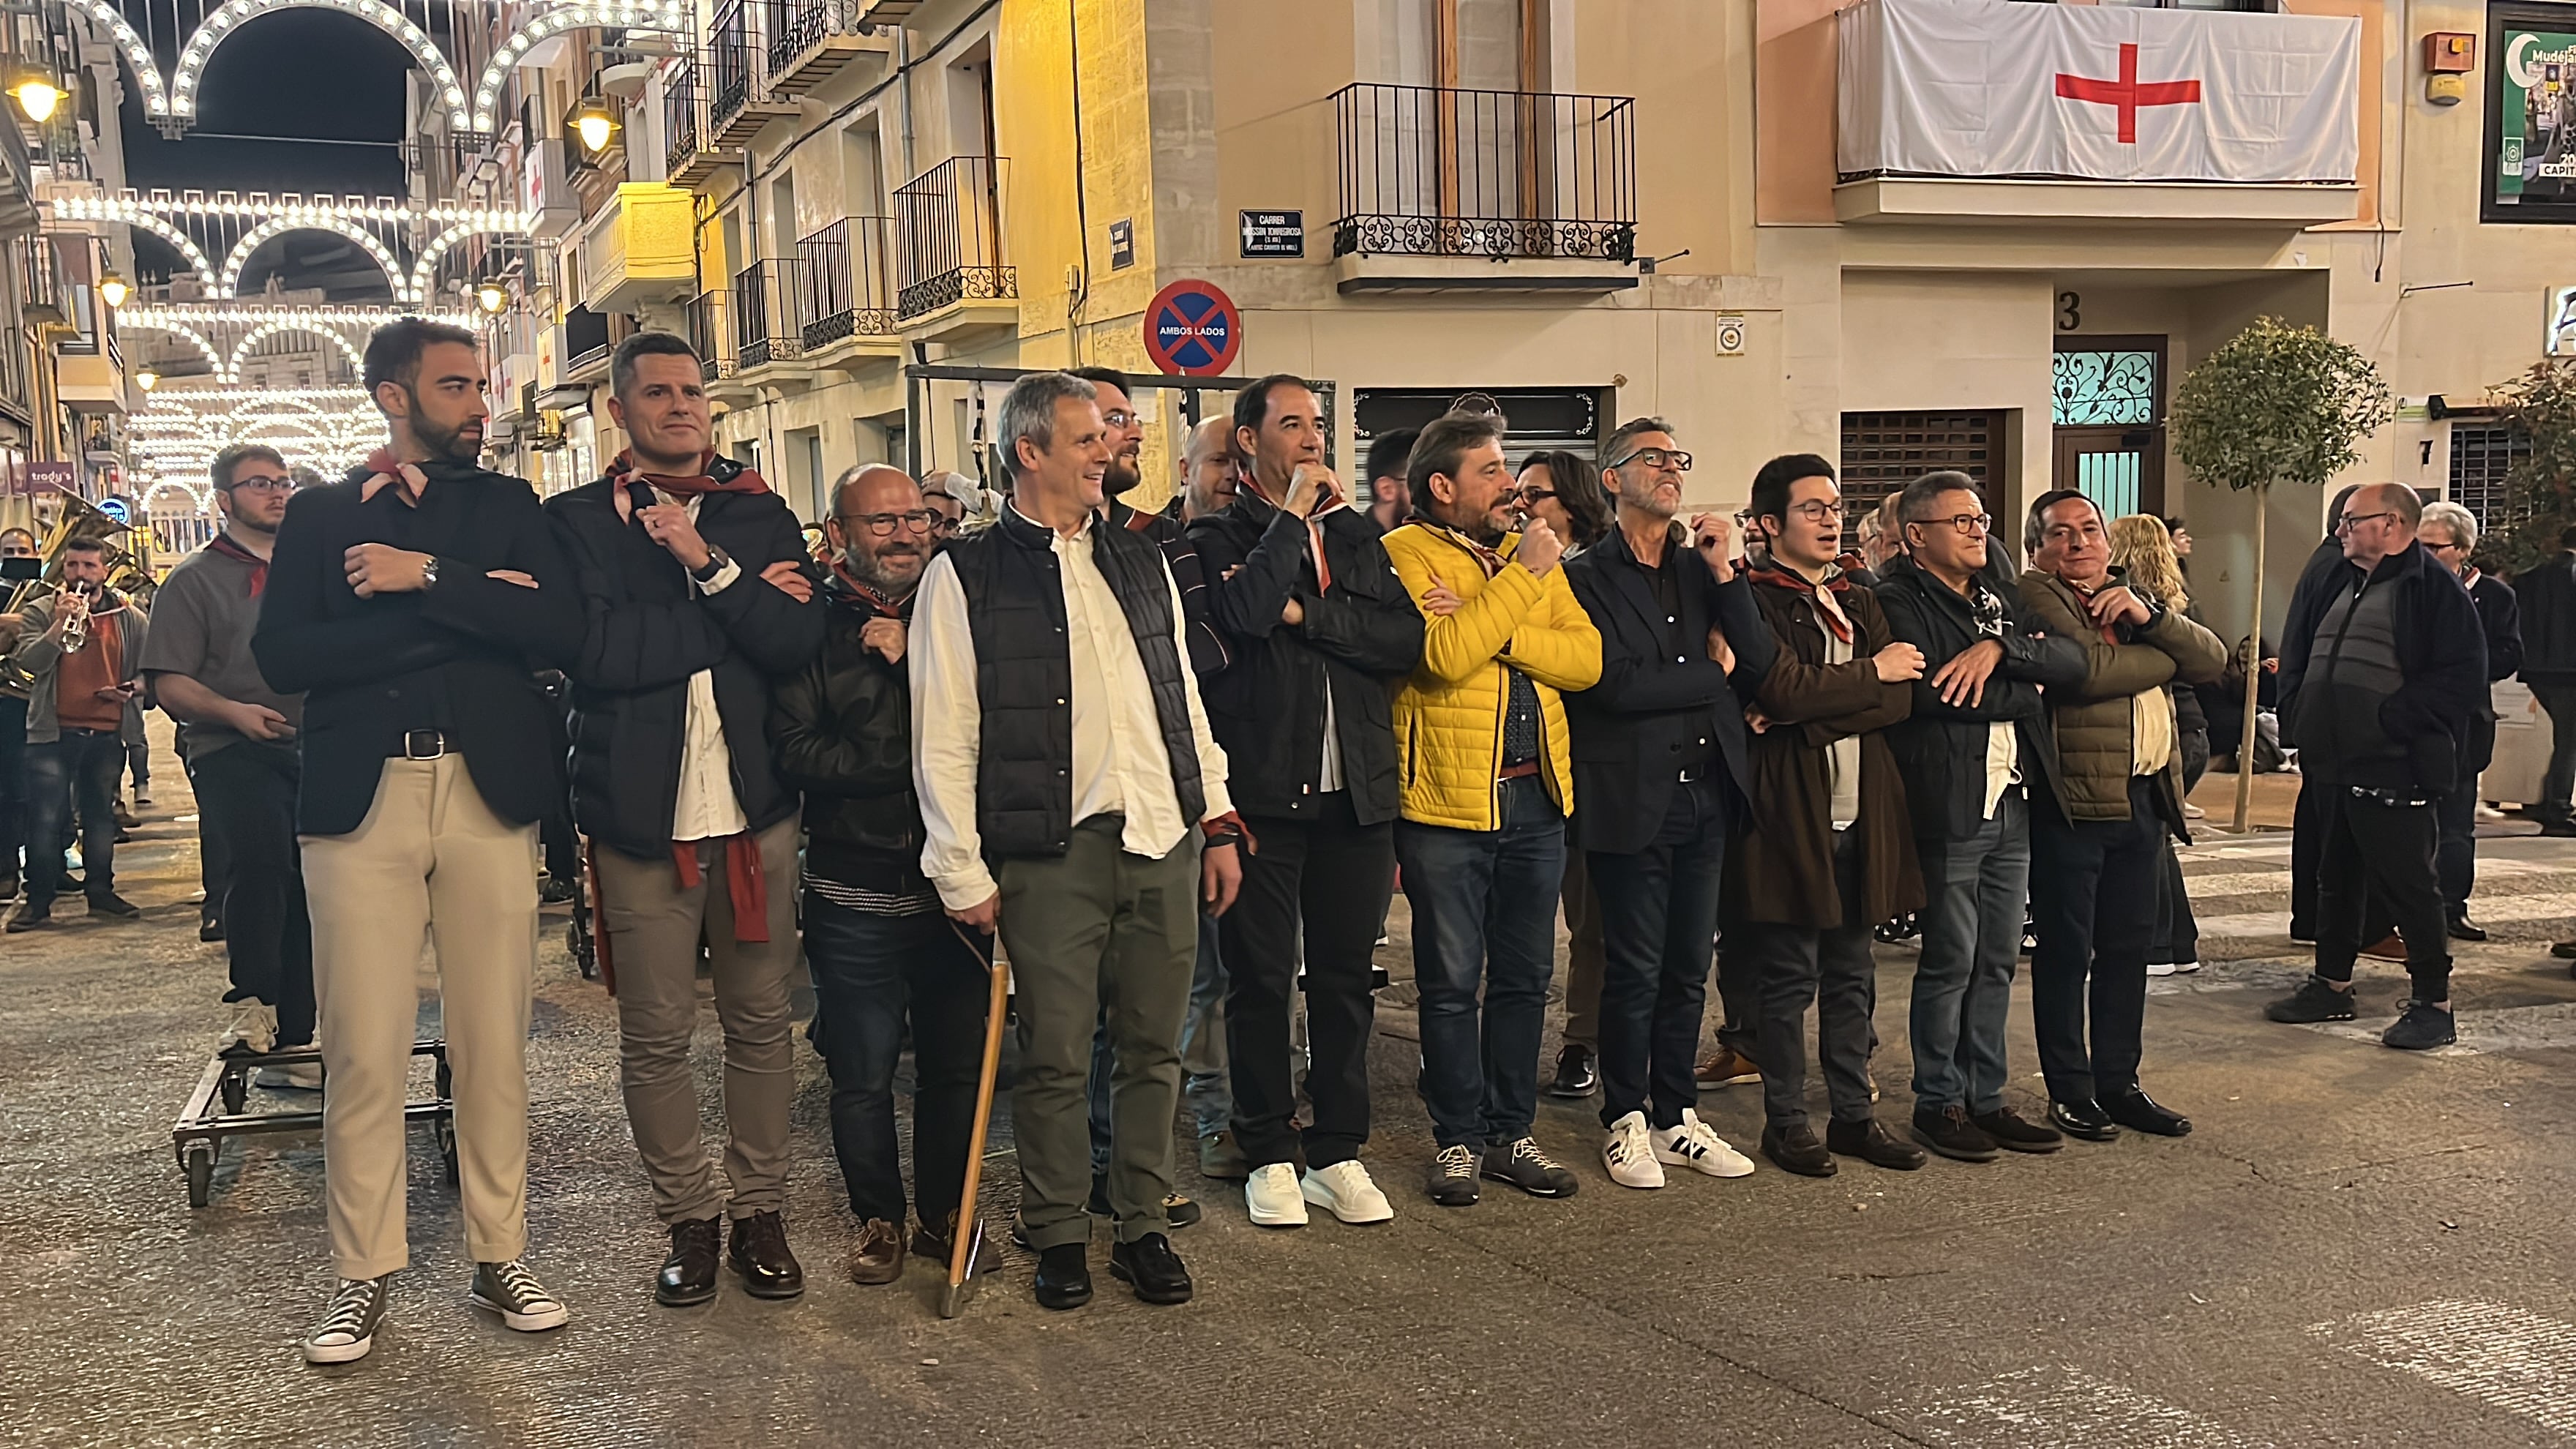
(2108, 407)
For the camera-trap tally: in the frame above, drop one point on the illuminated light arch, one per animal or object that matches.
(184, 244)
(137, 55)
(199, 503)
(266, 330)
(268, 231)
(544, 25)
(227, 21)
(423, 271)
(213, 358)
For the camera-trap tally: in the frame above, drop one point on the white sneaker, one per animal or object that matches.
(1695, 1145)
(1272, 1197)
(2160, 968)
(253, 1032)
(292, 1076)
(2185, 968)
(1627, 1150)
(1346, 1190)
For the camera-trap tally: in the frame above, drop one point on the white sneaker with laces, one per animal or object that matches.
(1271, 1196)
(1694, 1144)
(1627, 1150)
(253, 1032)
(1346, 1190)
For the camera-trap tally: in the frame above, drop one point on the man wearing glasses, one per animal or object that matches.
(697, 604)
(2378, 693)
(240, 743)
(1978, 734)
(2450, 534)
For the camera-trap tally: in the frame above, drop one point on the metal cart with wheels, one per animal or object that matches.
(216, 1111)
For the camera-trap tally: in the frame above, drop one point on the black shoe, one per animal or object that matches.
(2084, 1119)
(2314, 1001)
(1151, 1267)
(2558, 829)
(1796, 1150)
(759, 1253)
(555, 892)
(2563, 950)
(2423, 1027)
(1948, 1131)
(28, 917)
(210, 928)
(1064, 1276)
(2464, 929)
(1098, 1203)
(2303, 933)
(2138, 1112)
(1179, 1211)
(112, 904)
(1577, 1072)
(2010, 1132)
(689, 1275)
(1525, 1166)
(1453, 1177)
(1872, 1143)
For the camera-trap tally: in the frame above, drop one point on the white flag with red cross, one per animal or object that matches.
(2000, 88)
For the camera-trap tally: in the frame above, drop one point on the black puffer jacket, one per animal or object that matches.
(648, 630)
(1941, 748)
(840, 730)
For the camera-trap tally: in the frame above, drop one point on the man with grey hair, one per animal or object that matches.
(2450, 534)
(2378, 692)
(1073, 798)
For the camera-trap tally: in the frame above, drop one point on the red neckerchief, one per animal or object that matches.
(745, 886)
(1332, 498)
(891, 608)
(624, 474)
(2470, 579)
(2110, 632)
(222, 543)
(1826, 593)
(387, 471)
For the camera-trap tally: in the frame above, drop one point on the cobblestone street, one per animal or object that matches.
(2355, 1247)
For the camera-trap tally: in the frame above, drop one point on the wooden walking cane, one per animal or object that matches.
(969, 1240)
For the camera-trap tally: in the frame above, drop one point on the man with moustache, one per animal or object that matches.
(81, 682)
(1321, 630)
(1390, 497)
(886, 960)
(240, 742)
(696, 603)
(407, 604)
(1209, 478)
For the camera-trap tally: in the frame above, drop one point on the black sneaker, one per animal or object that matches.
(2009, 1131)
(2423, 1027)
(2314, 1001)
(29, 916)
(510, 1290)
(1453, 1177)
(210, 929)
(112, 904)
(1872, 1143)
(1948, 1131)
(553, 892)
(1577, 1072)
(1525, 1166)
(348, 1327)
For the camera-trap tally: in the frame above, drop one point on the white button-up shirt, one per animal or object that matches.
(707, 807)
(1119, 763)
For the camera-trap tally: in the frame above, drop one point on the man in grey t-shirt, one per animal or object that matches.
(240, 743)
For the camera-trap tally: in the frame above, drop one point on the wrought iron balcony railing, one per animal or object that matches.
(732, 57)
(764, 300)
(1433, 171)
(846, 285)
(683, 114)
(797, 26)
(948, 228)
(711, 333)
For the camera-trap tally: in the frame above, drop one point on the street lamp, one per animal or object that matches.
(147, 379)
(593, 124)
(493, 297)
(112, 290)
(36, 94)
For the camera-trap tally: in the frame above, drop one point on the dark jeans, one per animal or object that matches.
(1333, 875)
(83, 763)
(13, 783)
(2555, 786)
(2093, 887)
(1974, 888)
(2456, 863)
(870, 973)
(2177, 930)
(2307, 835)
(2372, 852)
(1831, 969)
(246, 795)
(562, 847)
(214, 855)
(1658, 912)
(1484, 908)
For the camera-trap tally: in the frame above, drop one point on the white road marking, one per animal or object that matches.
(2059, 1408)
(2507, 1357)
(2489, 911)
(2277, 882)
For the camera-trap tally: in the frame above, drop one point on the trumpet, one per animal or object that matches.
(76, 626)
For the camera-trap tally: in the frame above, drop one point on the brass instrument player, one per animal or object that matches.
(81, 650)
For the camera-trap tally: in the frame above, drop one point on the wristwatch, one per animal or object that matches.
(429, 573)
(706, 573)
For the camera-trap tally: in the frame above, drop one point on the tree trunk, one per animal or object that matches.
(2253, 667)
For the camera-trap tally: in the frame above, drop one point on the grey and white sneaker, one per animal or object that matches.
(253, 1032)
(348, 1326)
(1526, 1166)
(1695, 1145)
(1453, 1177)
(510, 1290)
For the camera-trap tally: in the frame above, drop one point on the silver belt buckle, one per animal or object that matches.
(423, 744)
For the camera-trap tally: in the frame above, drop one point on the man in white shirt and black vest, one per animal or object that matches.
(1072, 795)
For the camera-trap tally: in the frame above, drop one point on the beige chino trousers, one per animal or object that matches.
(430, 862)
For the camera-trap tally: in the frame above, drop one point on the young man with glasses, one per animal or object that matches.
(2450, 534)
(2379, 693)
(697, 602)
(240, 743)
(1978, 734)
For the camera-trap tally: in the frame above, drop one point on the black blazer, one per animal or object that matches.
(371, 668)
(1628, 728)
(647, 631)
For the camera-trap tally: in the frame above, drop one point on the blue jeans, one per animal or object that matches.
(1658, 912)
(1974, 888)
(1484, 906)
(1205, 1089)
(89, 764)
(870, 971)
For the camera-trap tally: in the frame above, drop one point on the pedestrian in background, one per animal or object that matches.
(18, 552)
(2547, 595)
(81, 648)
(2143, 549)
(2450, 534)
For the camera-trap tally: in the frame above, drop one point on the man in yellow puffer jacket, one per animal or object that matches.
(1487, 785)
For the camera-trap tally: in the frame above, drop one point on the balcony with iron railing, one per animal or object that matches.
(687, 158)
(948, 234)
(809, 41)
(711, 335)
(1450, 175)
(739, 99)
(845, 292)
(765, 330)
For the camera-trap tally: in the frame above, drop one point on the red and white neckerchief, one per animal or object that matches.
(223, 543)
(2469, 580)
(1332, 498)
(387, 471)
(890, 607)
(624, 474)
(1825, 592)
(1487, 557)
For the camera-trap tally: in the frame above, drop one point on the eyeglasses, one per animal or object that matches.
(2351, 521)
(882, 524)
(2454, 547)
(941, 523)
(1533, 495)
(1657, 459)
(1816, 510)
(1119, 419)
(257, 484)
(1963, 522)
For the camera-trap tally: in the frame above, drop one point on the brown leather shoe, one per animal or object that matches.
(2387, 948)
(1727, 1067)
(879, 1258)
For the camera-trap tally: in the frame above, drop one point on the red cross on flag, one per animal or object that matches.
(1997, 88)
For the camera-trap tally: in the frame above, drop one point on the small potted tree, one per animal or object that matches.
(2276, 404)
(2540, 488)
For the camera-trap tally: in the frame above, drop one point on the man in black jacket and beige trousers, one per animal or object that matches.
(694, 601)
(408, 604)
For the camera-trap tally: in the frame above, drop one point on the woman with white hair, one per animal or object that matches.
(2450, 533)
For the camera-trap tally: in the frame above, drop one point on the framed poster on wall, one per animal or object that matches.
(2531, 115)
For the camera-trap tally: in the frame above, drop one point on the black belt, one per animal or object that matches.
(424, 745)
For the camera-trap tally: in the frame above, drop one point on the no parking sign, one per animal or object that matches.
(1192, 329)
